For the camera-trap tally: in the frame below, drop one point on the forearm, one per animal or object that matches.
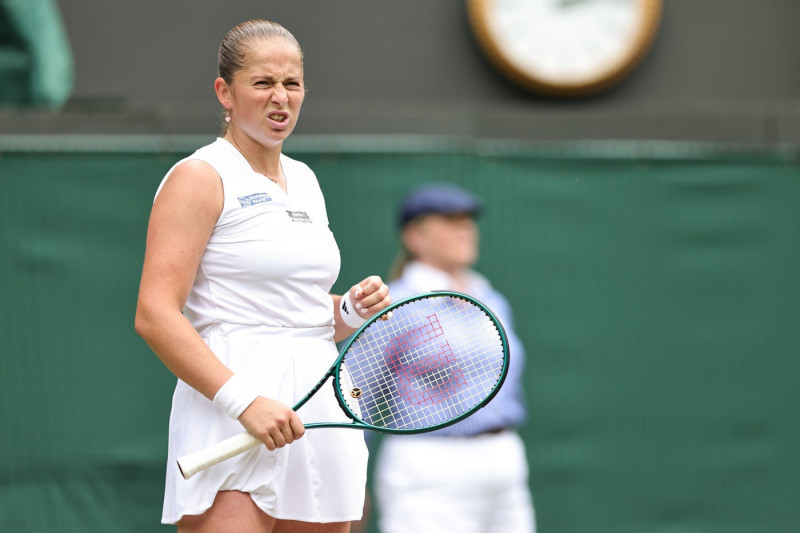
(178, 345)
(183, 351)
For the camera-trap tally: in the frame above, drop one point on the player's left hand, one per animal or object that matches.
(370, 296)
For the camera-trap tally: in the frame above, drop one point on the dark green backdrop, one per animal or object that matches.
(655, 287)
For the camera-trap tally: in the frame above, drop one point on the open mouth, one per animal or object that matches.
(278, 117)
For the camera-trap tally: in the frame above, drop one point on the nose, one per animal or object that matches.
(279, 95)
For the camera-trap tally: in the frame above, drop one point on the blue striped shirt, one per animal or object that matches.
(505, 410)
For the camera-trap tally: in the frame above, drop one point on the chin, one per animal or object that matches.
(469, 259)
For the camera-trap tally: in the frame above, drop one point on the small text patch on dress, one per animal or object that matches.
(253, 199)
(299, 216)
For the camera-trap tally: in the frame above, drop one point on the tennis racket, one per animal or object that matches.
(423, 363)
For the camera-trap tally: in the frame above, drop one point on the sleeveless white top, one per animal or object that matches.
(271, 259)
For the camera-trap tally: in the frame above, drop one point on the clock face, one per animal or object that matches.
(565, 47)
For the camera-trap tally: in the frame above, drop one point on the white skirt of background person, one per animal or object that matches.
(428, 484)
(261, 302)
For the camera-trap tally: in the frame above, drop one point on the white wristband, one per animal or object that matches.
(235, 396)
(350, 315)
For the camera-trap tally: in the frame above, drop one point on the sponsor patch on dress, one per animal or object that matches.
(254, 199)
(299, 216)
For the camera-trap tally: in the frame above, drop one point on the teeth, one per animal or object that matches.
(279, 118)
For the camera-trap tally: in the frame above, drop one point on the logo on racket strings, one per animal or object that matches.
(424, 375)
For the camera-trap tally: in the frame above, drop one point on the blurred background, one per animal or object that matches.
(646, 236)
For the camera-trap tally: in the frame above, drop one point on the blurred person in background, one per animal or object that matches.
(471, 477)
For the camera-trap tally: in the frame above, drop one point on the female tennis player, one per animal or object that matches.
(234, 299)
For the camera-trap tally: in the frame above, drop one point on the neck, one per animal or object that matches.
(458, 273)
(263, 160)
(459, 280)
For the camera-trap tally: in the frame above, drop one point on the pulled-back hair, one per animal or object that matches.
(233, 49)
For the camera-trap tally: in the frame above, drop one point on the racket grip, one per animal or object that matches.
(193, 463)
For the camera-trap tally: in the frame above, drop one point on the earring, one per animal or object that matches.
(227, 116)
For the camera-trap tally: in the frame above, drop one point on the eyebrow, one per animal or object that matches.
(269, 77)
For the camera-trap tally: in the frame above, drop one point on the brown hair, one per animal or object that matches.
(401, 260)
(404, 255)
(233, 50)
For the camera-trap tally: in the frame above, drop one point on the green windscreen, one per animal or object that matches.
(655, 287)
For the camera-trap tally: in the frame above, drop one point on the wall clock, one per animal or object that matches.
(565, 48)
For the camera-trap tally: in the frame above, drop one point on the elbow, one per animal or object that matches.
(139, 325)
(143, 323)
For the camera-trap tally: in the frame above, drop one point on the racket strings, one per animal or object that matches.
(435, 360)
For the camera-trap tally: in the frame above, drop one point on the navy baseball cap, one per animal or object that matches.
(440, 198)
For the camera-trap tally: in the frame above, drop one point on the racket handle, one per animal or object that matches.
(193, 463)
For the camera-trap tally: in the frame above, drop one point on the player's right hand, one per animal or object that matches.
(272, 422)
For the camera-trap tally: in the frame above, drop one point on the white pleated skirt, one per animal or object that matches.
(319, 478)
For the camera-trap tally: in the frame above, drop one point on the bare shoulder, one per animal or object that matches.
(194, 174)
(193, 184)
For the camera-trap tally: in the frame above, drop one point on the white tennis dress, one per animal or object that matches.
(261, 302)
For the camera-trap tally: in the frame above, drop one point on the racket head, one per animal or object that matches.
(436, 359)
